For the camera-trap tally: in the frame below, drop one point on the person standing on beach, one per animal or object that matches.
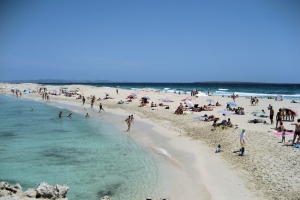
(131, 119)
(297, 130)
(100, 107)
(128, 121)
(279, 117)
(243, 137)
(83, 100)
(117, 91)
(271, 114)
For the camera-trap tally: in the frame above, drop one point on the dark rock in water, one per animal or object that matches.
(44, 191)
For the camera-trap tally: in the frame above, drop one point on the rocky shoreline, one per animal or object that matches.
(43, 191)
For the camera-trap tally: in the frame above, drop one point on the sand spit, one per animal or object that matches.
(270, 168)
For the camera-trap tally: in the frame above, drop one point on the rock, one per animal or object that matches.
(106, 198)
(45, 190)
(62, 190)
(30, 193)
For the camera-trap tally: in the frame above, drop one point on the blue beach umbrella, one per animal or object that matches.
(225, 112)
(231, 103)
(210, 100)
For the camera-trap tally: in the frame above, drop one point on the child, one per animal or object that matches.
(283, 136)
(243, 151)
(218, 149)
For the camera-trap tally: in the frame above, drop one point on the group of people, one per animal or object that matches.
(282, 114)
(254, 101)
(237, 111)
(224, 123)
(17, 92)
(45, 96)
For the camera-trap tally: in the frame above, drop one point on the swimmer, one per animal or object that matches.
(87, 115)
(60, 114)
(69, 115)
(31, 108)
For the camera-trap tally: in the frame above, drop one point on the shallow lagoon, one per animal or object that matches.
(90, 155)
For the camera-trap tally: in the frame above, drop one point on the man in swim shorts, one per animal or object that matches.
(271, 114)
(279, 118)
(297, 130)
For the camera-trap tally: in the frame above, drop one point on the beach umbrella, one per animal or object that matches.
(226, 113)
(232, 103)
(292, 110)
(187, 98)
(189, 103)
(167, 100)
(210, 100)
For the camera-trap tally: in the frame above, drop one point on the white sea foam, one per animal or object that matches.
(222, 89)
(162, 151)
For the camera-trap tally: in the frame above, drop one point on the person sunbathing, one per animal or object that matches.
(205, 108)
(211, 118)
(293, 101)
(121, 102)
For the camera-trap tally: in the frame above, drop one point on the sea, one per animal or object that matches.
(91, 156)
(264, 90)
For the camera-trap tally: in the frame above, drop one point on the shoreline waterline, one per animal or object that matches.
(146, 135)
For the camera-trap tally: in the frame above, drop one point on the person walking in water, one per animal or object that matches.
(100, 107)
(60, 114)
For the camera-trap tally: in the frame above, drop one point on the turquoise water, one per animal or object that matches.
(89, 155)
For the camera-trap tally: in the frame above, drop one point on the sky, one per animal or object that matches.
(150, 41)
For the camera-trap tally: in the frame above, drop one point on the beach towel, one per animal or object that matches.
(196, 117)
(280, 133)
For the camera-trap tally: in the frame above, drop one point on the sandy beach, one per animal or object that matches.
(268, 171)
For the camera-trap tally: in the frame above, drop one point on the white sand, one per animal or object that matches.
(269, 171)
